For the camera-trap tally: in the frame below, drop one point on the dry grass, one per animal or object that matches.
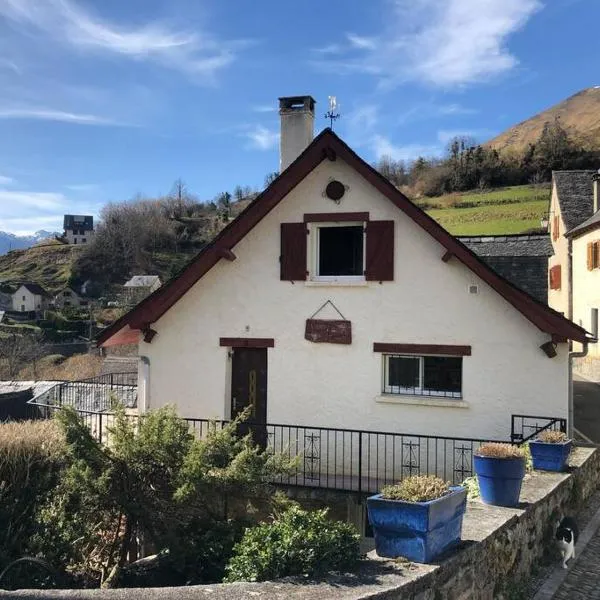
(56, 367)
(24, 441)
(497, 450)
(552, 437)
(420, 488)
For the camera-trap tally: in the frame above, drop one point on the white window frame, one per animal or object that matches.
(396, 390)
(315, 250)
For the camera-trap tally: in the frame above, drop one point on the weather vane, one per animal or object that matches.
(333, 113)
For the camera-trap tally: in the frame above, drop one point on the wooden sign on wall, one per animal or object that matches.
(331, 331)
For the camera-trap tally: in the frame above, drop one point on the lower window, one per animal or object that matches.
(423, 375)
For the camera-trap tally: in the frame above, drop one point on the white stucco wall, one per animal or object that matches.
(586, 295)
(30, 302)
(559, 299)
(340, 386)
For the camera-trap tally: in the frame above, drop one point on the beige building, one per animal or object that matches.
(585, 243)
(78, 229)
(30, 297)
(68, 297)
(139, 287)
(334, 301)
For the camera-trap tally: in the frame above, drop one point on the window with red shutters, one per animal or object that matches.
(380, 251)
(555, 277)
(293, 252)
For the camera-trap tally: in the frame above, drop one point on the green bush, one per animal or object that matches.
(297, 542)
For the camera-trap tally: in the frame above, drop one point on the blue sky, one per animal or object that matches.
(101, 100)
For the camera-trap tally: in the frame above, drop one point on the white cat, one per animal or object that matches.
(566, 538)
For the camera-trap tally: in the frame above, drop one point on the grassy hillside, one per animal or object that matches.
(48, 265)
(501, 211)
(578, 114)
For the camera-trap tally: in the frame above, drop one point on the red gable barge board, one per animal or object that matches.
(330, 331)
(327, 143)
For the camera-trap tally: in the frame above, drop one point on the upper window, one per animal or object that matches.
(340, 251)
(423, 375)
(593, 256)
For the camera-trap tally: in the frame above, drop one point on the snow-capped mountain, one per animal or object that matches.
(10, 241)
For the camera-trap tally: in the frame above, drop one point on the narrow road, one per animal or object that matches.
(586, 401)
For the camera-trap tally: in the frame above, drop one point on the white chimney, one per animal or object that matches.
(596, 184)
(297, 127)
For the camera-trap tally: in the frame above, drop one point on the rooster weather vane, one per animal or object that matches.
(333, 114)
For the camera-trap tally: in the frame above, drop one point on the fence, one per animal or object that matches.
(526, 427)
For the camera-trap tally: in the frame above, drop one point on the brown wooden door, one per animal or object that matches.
(249, 389)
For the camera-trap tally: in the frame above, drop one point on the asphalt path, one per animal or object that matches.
(586, 406)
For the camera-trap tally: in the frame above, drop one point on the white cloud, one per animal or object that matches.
(15, 202)
(82, 187)
(192, 51)
(4, 180)
(445, 135)
(383, 146)
(264, 108)
(262, 138)
(443, 43)
(45, 114)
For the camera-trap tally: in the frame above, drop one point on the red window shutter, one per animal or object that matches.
(380, 251)
(555, 277)
(555, 227)
(293, 252)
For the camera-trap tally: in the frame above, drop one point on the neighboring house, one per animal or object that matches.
(68, 297)
(522, 259)
(79, 229)
(585, 249)
(30, 297)
(570, 205)
(139, 287)
(334, 301)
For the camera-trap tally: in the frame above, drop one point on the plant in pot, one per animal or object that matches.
(418, 518)
(500, 469)
(550, 450)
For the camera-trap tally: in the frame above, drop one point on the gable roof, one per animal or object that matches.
(588, 225)
(142, 281)
(34, 288)
(575, 195)
(326, 146)
(527, 244)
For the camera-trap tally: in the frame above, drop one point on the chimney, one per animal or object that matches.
(297, 127)
(596, 184)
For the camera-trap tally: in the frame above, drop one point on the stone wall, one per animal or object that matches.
(500, 546)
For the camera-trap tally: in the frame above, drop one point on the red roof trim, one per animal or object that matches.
(155, 305)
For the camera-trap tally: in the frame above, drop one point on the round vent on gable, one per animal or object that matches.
(335, 190)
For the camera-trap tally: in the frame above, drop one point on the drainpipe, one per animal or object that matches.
(583, 352)
(144, 380)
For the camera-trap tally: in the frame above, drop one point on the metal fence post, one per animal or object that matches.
(360, 462)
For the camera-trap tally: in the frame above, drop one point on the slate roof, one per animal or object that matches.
(575, 195)
(592, 223)
(35, 289)
(522, 259)
(509, 245)
(143, 281)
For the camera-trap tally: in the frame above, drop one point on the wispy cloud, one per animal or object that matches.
(264, 108)
(44, 114)
(82, 187)
(383, 146)
(262, 138)
(4, 180)
(445, 135)
(443, 43)
(197, 53)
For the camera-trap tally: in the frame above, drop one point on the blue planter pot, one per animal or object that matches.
(499, 479)
(419, 531)
(549, 457)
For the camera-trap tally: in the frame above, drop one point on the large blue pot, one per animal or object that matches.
(419, 531)
(550, 457)
(499, 479)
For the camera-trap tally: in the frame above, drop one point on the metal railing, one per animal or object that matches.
(93, 394)
(352, 460)
(525, 427)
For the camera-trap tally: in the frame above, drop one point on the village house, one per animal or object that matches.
(30, 297)
(139, 287)
(69, 298)
(78, 229)
(574, 289)
(334, 301)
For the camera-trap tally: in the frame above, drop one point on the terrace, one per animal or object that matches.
(347, 460)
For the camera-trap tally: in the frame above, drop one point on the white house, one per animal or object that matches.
(79, 229)
(30, 297)
(69, 298)
(334, 301)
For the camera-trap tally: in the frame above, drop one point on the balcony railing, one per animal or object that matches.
(525, 427)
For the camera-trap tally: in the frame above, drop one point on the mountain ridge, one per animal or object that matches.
(10, 241)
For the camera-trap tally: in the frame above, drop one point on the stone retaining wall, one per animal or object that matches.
(500, 547)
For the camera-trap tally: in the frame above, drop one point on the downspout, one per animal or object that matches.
(144, 388)
(583, 352)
